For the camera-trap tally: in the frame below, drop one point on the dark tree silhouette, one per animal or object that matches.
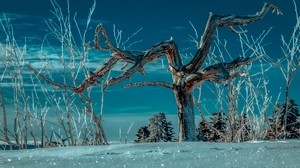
(219, 121)
(168, 130)
(292, 120)
(142, 134)
(158, 130)
(185, 77)
(214, 130)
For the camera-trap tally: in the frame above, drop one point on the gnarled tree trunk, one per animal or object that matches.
(186, 116)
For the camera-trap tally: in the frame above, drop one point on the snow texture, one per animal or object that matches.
(186, 154)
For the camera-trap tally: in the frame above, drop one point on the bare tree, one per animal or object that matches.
(185, 77)
(13, 59)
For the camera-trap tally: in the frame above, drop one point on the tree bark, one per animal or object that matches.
(186, 117)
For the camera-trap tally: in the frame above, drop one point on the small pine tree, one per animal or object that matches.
(169, 135)
(143, 134)
(293, 123)
(204, 131)
(219, 121)
(158, 130)
(155, 129)
(213, 130)
(167, 128)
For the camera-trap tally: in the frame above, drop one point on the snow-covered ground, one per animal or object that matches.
(188, 154)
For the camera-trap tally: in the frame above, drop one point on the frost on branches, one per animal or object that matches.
(185, 77)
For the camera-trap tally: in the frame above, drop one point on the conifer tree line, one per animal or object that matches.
(217, 127)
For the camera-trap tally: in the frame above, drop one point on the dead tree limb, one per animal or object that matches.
(157, 83)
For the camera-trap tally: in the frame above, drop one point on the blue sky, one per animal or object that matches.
(162, 19)
(159, 21)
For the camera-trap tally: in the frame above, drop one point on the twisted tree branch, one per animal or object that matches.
(99, 73)
(210, 73)
(156, 83)
(169, 48)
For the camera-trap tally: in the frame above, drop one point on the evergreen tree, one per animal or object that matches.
(219, 121)
(167, 128)
(169, 135)
(155, 129)
(143, 134)
(158, 130)
(293, 123)
(213, 130)
(204, 131)
(275, 129)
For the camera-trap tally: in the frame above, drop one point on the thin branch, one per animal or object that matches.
(157, 83)
(109, 46)
(48, 80)
(237, 31)
(89, 81)
(194, 39)
(130, 37)
(296, 10)
(223, 80)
